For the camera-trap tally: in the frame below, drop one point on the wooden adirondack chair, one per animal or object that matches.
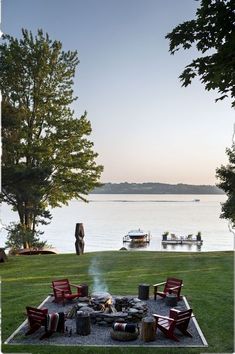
(171, 285)
(62, 290)
(36, 318)
(177, 319)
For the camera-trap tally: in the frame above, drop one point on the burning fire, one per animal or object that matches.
(103, 302)
(109, 302)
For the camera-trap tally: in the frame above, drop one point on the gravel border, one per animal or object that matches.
(100, 336)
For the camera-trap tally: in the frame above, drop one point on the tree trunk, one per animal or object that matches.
(26, 222)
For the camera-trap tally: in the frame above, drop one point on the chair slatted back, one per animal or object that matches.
(171, 283)
(181, 318)
(60, 286)
(36, 316)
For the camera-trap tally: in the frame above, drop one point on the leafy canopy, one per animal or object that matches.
(213, 34)
(47, 158)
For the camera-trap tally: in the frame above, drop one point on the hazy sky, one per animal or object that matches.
(145, 126)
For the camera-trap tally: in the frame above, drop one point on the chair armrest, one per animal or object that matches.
(76, 286)
(175, 287)
(163, 317)
(164, 282)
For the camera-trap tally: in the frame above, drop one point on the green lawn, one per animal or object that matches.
(208, 286)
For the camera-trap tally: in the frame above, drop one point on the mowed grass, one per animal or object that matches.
(208, 285)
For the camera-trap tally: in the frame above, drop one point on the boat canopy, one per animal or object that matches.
(136, 233)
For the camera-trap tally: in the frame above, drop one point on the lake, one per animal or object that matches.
(108, 217)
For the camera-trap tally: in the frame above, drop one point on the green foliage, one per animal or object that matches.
(18, 236)
(47, 158)
(213, 33)
(226, 174)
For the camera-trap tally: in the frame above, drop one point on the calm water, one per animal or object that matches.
(107, 218)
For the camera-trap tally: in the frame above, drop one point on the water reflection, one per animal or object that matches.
(178, 247)
(138, 245)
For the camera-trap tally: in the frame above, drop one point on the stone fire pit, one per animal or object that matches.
(105, 309)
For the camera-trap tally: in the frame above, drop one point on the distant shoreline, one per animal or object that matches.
(156, 188)
(194, 193)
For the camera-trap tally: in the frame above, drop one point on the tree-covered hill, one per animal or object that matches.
(155, 188)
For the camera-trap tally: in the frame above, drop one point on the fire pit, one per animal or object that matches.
(105, 309)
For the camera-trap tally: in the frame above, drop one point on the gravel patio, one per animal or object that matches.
(100, 335)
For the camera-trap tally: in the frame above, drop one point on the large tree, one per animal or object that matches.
(47, 158)
(212, 32)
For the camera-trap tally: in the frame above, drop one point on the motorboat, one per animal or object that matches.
(137, 236)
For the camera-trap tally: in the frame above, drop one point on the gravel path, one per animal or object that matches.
(100, 335)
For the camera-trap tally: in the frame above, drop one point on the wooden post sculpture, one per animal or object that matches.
(79, 235)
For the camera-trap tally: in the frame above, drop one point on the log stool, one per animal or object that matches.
(148, 329)
(83, 324)
(171, 299)
(84, 290)
(143, 291)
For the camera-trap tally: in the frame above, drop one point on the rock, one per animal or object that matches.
(141, 312)
(87, 309)
(101, 296)
(102, 323)
(138, 307)
(132, 311)
(109, 320)
(82, 304)
(83, 299)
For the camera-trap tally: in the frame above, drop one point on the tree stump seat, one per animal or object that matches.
(83, 324)
(143, 291)
(171, 299)
(148, 329)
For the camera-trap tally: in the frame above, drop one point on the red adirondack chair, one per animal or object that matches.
(62, 290)
(36, 318)
(171, 285)
(177, 319)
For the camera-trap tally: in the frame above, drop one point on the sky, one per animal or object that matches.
(146, 127)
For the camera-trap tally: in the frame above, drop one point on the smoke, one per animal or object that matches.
(99, 284)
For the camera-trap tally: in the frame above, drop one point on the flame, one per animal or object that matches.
(109, 302)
